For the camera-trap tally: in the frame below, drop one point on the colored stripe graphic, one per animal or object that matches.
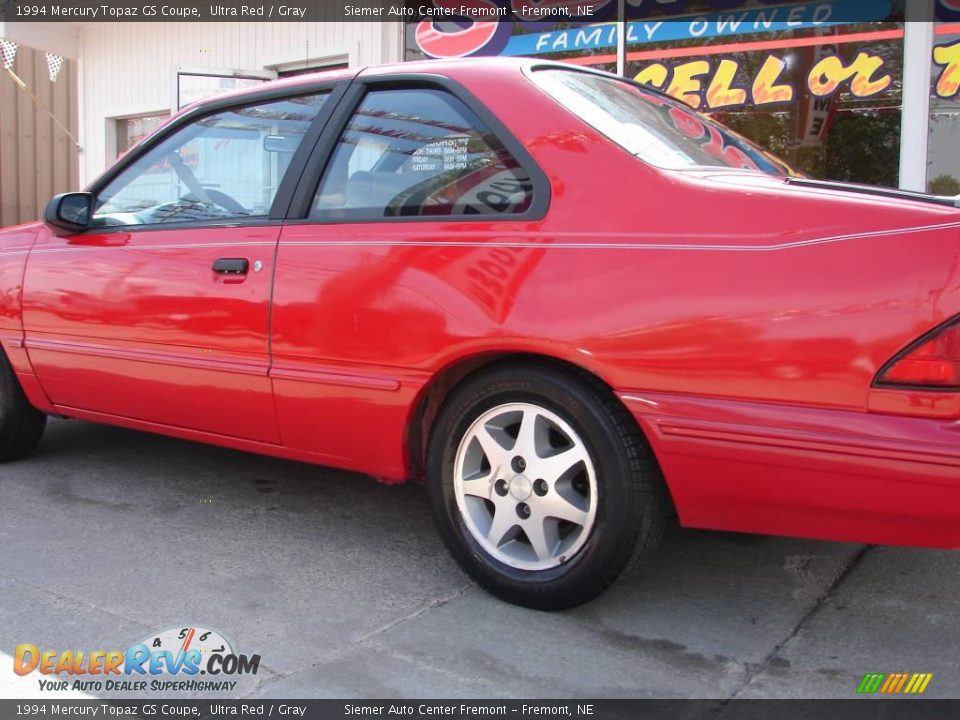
(871, 682)
(891, 682)
(918, 683)
(895, 683)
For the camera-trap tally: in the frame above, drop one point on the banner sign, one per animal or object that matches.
(816, 112)
(695, 27)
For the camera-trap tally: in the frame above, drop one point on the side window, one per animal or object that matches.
(222, 166)
(419, 152)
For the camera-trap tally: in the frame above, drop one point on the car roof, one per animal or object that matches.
(445, 67)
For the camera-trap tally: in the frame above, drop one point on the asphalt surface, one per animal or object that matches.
(344, 589)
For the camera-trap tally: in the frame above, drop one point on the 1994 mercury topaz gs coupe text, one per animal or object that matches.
(570, 303)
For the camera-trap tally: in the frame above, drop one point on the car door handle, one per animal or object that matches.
(231, 266)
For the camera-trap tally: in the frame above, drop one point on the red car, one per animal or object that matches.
(570, 303)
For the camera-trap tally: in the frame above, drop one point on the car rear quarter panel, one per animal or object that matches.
(700, 298)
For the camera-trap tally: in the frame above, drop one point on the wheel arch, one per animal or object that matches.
(14, 354)
(435, 392)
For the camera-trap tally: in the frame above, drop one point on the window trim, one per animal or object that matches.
(299, 211)
(288, 184)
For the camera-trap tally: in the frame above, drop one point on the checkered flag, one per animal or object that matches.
(54, 65)
(8, 53)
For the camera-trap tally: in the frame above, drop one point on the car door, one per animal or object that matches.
(382, 263)
(159, 313)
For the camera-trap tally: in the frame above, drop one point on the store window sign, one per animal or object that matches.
(716, 85)
(703, 85)
(947, 57)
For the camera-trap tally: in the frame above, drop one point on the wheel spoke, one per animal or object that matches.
(479, 487)
(556, 506)
(526, 444)
(536, 533)
(495, 452)
(504, 520)
(556, 466)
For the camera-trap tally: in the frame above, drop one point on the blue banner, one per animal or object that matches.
(697, 27)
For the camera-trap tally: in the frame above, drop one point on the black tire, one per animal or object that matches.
(21, 424)
(632, 508)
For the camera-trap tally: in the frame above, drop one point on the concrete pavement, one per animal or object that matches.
(342, 586)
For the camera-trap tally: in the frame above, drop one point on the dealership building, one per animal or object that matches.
(852, 90)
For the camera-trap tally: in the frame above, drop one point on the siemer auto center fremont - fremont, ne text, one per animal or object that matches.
(475, 12)
(467, 710)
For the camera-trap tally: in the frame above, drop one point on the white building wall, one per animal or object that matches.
(128, 69)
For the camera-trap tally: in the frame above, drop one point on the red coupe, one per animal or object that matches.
(573, 305)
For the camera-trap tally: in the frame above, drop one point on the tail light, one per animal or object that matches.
(931, 363)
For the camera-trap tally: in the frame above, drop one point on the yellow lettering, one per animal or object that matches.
(765, 88)
(720, 93)
(654, 75)
(685, 86)
(829, 74)
(864, 84)
(948, 84)
(825, 77)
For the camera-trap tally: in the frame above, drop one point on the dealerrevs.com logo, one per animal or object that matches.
(169, 661)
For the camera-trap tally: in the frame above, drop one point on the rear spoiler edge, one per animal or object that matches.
(875, 190)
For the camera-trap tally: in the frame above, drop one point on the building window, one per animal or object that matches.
(194, 86)
(132, 130)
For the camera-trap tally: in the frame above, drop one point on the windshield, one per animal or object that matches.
(657, 129)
